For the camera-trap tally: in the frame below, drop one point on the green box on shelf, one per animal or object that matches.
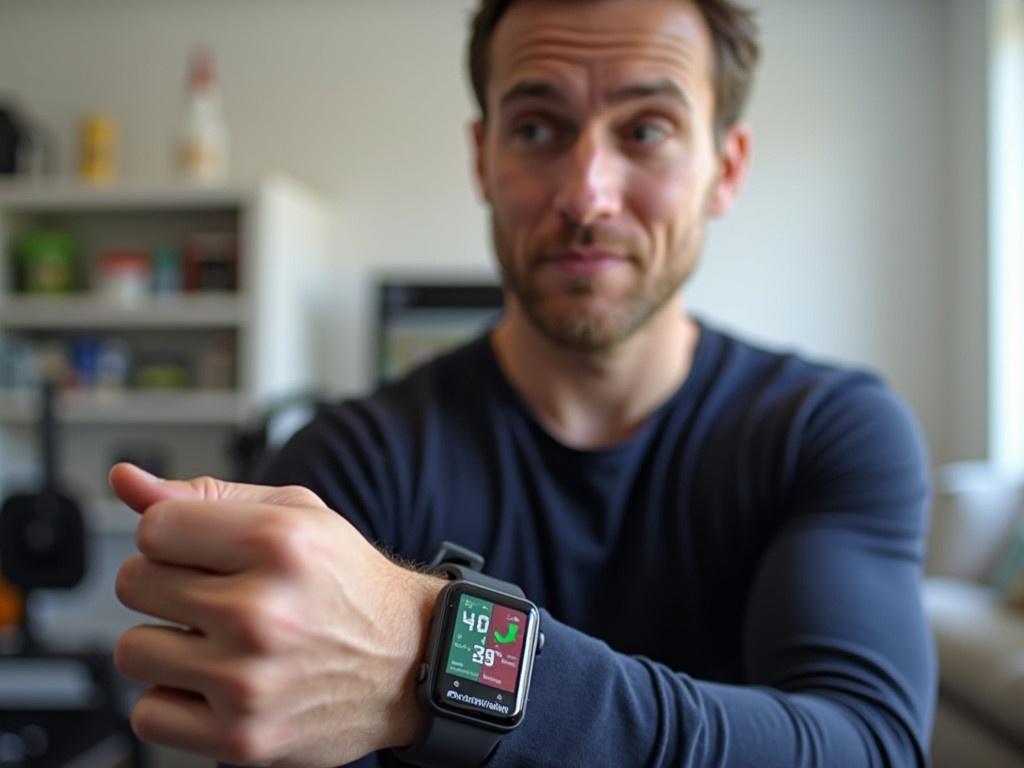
(46, 262)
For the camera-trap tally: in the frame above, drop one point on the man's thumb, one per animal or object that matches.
(140, 490)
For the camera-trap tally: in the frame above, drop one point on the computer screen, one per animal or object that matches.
(419, 319)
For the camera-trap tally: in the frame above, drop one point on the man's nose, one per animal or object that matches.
(591, 189)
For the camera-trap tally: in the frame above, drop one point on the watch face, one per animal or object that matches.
(486, 653)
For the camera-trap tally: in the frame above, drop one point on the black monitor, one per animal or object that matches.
(419, 319)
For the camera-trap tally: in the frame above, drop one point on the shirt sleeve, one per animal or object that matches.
(839, 663)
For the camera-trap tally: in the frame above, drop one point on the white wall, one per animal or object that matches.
(968, 182)
(842, 241)
(847, 243)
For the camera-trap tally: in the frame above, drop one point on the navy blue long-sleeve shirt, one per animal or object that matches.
(737, 584)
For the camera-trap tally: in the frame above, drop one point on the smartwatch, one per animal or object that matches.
(474, 680)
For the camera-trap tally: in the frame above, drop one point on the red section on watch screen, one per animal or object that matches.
(505, 639)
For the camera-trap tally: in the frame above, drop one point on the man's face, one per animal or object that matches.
(598, 159)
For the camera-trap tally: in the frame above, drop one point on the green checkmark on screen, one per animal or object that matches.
(509, 636)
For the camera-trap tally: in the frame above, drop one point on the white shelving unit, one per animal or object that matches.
(197, 407)
(281, 232)
(73, 312)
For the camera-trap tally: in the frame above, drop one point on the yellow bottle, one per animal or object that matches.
(97, 149)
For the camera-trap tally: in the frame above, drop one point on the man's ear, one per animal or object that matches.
(733, 162)
(479, 134)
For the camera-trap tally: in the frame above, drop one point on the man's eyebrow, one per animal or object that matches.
(546, 91)
(533, 89)
(661, 87)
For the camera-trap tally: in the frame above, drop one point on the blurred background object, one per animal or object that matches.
(164, 315)
(421, 318)
(12, 137)
(97, 149)
(26, 145)
(45, 262)
(42, 533)
(124, 276)
(12, 607)
(55, 706)
(202, 151)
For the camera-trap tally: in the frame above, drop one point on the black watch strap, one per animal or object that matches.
(448, 743)
(457, 571)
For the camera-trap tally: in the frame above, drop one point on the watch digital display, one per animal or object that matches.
(487, 643)
(481, 663)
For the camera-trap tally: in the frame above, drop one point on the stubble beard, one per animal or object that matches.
(586, 330)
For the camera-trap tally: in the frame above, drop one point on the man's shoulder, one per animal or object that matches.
(770, 372)
(815, 402)
(371, 456)
(823, 428)
(405, 405)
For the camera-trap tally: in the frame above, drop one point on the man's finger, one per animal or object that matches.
(180, 595)
(140, 490)
(186, 721)
(166, 656)
(222, 537)
(181, 720)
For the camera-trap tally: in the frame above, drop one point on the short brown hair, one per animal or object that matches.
(734, 35)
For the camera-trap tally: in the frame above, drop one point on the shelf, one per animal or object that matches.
(70, 195)
(267, 330)
(167, 408)
(65, 195)
(93, 312)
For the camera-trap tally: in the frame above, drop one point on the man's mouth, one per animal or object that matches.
(584, 260)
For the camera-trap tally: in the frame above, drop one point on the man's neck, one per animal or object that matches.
(591, 400)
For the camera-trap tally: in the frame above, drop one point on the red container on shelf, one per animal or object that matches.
(124, 274)
(211, 262)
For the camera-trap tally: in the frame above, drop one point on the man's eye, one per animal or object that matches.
(535, 132)
(646, 134)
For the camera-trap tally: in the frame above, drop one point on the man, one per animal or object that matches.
(724, 542)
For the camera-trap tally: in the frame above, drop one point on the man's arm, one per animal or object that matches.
(838, 656)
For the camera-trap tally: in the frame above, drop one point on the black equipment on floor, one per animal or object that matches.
(42, 534)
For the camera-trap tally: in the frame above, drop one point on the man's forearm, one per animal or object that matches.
(590, 705)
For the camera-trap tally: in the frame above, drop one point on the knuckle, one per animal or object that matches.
(301, 496)
(283, 540)
(207, 486)
(123, 659)
(242, 692)
(140, 723)
(147, 531)
(243, 744)
(253, 626)
(124, 580)
(145, 719)
(259, 637)
(130, 654)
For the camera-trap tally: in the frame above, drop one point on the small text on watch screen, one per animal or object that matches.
(487, 643)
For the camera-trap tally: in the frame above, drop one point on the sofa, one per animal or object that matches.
(979, 632)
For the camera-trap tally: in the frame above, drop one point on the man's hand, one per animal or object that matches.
(297, 642)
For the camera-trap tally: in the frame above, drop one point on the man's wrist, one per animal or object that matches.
(412, 626)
